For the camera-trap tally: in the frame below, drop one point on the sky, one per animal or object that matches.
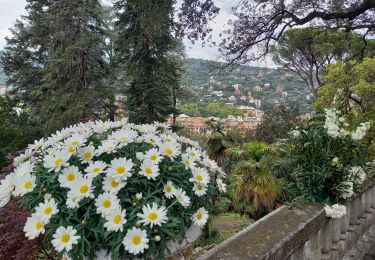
(10, 10)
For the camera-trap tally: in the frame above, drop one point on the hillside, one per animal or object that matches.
(245, 85)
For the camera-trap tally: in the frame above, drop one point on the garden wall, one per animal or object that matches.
(306, 233)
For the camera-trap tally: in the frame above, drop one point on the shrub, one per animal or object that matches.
(329, 159)
(119, 188)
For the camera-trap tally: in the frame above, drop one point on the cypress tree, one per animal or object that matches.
(144, 43)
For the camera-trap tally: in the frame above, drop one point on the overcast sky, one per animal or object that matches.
(10, 10)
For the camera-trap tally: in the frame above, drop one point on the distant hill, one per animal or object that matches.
(271, 86)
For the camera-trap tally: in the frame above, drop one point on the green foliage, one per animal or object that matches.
(190, 109)
(16, 130)
(222, 110)
(319, 164)
(350, 87)
(144, 43)
(276, 124)
(306, 51)
(255, 188)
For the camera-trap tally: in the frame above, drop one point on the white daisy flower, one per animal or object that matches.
(112, 185)
(149, 169)
(108, 147)
(181, 197)
(106, 202)
(199, 189)
(96, 168)
(135, 241)
(81, 188)
(170, 149)
(187, 161)
(147, 129)
(152, 139)
(115, 220)
(139, 156)
(72, 202)
(120, 168)
(221, 185)
(210, 164)
(152, 215)
(200, 217)
(200, 175)
(76, 140)
(57, 160)
(24, 184)
(124, 136)
(38, 144)
(46, 210)
(153, 155)
(169, 190)
(25, 168)
(34, 227)
(86, 154)
(6, 189)
(65, 238)
(193, 153)
(69, 176)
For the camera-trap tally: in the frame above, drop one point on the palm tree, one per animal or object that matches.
(221, 138)
(256, 188)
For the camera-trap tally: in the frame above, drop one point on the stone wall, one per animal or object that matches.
(305, 233)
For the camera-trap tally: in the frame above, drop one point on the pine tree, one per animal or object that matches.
(56, 58)
(144, 43)
(76, 69)
(26, 53)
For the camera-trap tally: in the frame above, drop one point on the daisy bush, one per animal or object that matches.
(330, 161)
(113, 187)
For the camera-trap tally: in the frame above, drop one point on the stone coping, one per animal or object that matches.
(297, 233)
(277, 234)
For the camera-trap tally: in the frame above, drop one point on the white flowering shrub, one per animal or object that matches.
(113, 187)
(330, 161)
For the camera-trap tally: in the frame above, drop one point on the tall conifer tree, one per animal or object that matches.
(144, 43)
(56, 57)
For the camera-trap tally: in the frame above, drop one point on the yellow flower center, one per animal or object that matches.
(48, 211)
(117, 219)
(187, 162)
(71, 149)
(120, 170)
(199, 178)
(148, 170)
(65, 238)
(136, 240)
(107, 204)
(87, 155)
(199, 187)
(96, 170)
(71, 177)
(153, 157)
(168, 189)
(84, 189)
(152, 141)
(58, 161)
(74, 199)
(193, 154)
(153, 215)
(38, 225)
(169, 151)
(199, 216)
(28, 185)
(114, 184)
(75, 142)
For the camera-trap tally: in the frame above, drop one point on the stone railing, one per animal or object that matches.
(306, 233)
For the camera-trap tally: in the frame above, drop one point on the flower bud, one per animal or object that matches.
(157, 238)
